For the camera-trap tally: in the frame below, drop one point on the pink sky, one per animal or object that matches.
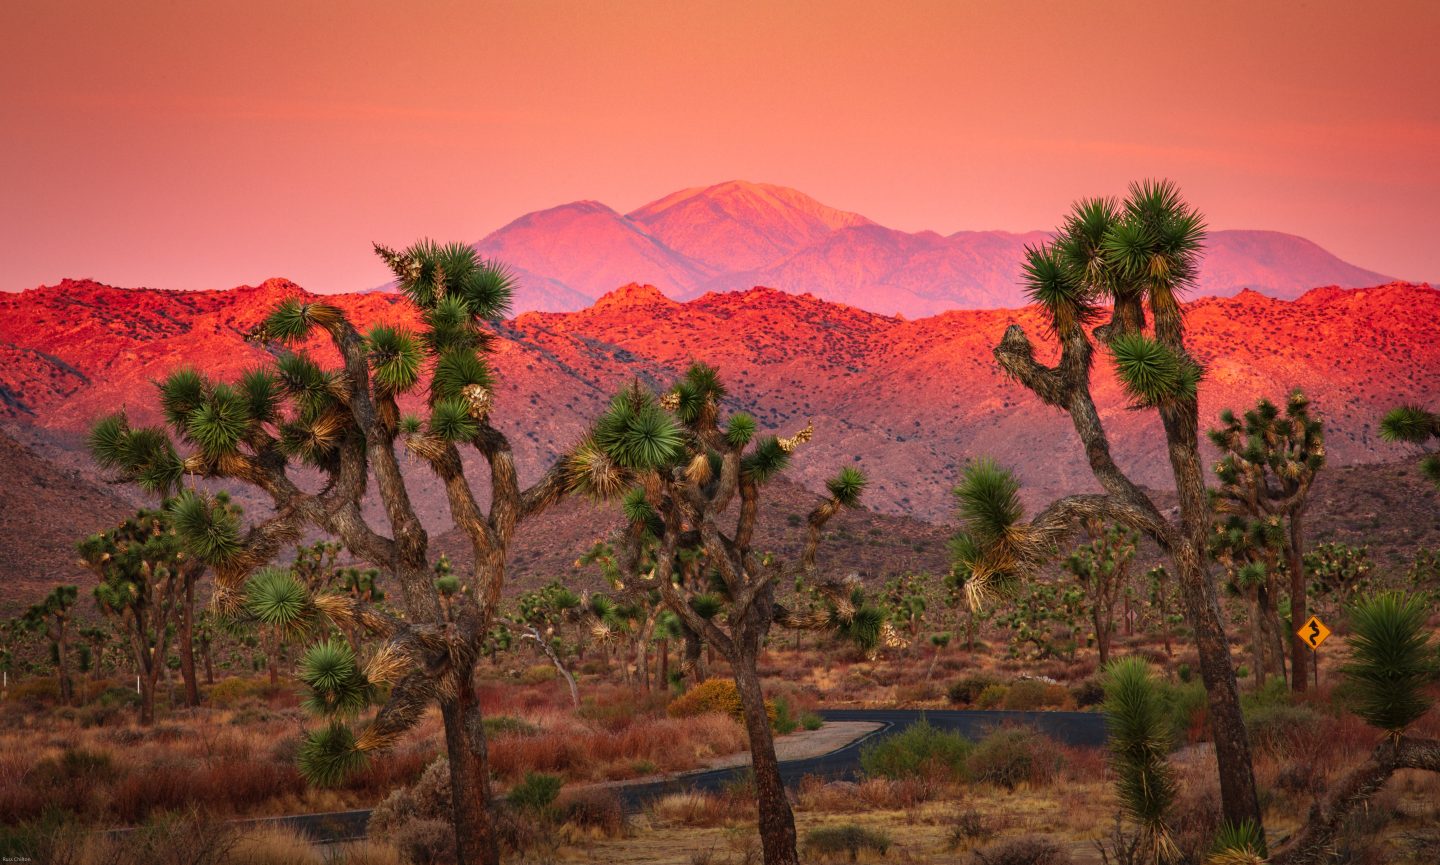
(208, 144)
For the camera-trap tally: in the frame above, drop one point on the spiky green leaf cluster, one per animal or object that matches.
(847, 486)
(1142, 250)
(1152, 372)
(208, 526)
(328, 755)
(766, 460)
(1415, 425)
(395, 357)
(1139, 726)
(337, 686)
(457, 369)
(740, 429)
(144, 454)
(450, 419)
(1392, 663)
(637, 434)
(429, 274)
(277, 598)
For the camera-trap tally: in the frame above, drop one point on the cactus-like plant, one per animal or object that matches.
(1269, 459)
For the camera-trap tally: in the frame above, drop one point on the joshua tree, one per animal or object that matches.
(1103, 569)
(1338, 574)
(143, 570)
(684, 472)
(539, 616)
(345, 423)
(1136, 255)
(1411, 423)
(51, 617)
(1252, 553)
(1268, 462)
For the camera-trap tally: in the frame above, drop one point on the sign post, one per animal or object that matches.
(1314, 632)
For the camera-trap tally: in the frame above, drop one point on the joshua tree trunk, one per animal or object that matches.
(475, 840)
(665, 663)
(1100, 617)
(777, 821)
(187, 642)
(694, 656)
(1299, 651)
(62, 668)
(1257, 638)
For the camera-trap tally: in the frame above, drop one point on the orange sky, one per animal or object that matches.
(206, 144)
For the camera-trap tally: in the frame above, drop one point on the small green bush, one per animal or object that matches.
(537, 674)
(920, 751)
(991, 697)
(968, 689)
(536, 792)
(848, 839)
(811, 721)
(783, 722)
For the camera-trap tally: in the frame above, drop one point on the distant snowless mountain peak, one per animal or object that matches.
(736, 235)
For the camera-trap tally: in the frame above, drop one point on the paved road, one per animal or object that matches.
(1084, 729)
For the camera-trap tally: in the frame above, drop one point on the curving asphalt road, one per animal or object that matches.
(1083, 729)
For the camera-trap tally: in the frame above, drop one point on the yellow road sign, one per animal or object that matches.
(1314, 632)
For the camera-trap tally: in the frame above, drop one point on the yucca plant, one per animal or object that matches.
(1136, 256)
(1139, 725)
(678, 469)
(1415, 425)
(1269, 459)
(278, 424)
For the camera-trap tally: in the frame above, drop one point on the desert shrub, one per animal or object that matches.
(714, 695)
(966, 828)
(919, 751)
(1010, 757)
(535, 793)
(1276, 729)
(1022, 851)
(968, 689)
(915, 692)
(1088, 693)
(1030, 694)
(1189, 711)
(232, 692)
(425, 842)
(783, 721)
(536, 674)
(849, 839)
(429, 798)
(811, 721)
(509, 725)
(992, 697)
(38, 690)
(595, 810)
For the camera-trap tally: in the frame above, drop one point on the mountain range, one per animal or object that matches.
(737, 235)
(908, 401)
